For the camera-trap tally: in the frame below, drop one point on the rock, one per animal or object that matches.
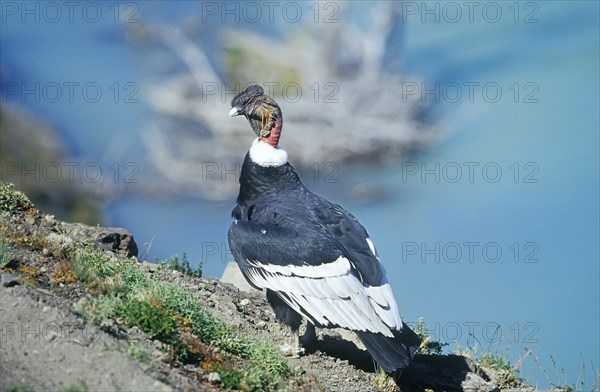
(222, 304)
(245, 302)
(475, 383)
(119, 240)
(214, 377)
(113, 239)
(9, 280)
(233, 275)
(150, 267)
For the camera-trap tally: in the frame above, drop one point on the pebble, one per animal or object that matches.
(214, 377)
(151, 267)
(30, 220)
(9, 280)
(51, 335)
(245, 302)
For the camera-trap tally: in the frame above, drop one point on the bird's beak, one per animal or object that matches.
(235, 111)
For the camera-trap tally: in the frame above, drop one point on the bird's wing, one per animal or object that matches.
(311, 274)
(352, 238)
(356, 245)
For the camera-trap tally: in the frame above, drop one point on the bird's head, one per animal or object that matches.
(261, 111)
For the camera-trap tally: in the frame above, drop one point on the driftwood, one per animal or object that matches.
(343, 103)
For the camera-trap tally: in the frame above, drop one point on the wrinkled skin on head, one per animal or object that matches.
(261, 111)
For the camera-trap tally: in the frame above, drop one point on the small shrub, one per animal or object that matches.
(427, 346)
(138, 352)
(11, 200)
(182, 266)
(508, 374)
(29, 270)
(63, 273)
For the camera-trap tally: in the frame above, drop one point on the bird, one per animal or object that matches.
(313, 257)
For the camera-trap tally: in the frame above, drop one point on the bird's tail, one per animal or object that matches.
(391, 353)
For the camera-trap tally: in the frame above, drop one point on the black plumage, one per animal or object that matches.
(312, 256)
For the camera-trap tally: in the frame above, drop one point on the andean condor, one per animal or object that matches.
(313, 257)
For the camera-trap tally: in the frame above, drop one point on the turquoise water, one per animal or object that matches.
(492, 235)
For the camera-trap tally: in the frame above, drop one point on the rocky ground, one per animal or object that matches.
(46, 344)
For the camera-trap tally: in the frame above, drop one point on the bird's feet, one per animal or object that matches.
(293, 348)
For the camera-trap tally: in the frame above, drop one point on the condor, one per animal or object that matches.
(313, 258)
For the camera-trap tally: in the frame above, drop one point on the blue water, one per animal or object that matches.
(532, 194)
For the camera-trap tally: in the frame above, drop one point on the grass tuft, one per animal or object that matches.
(6, 253)
(182, 266)
(173, 315)
(138, 352)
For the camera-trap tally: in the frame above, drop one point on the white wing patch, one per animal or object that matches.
(330, 295)
(372, 247)
(338, 267)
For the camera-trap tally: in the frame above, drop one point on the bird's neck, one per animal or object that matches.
(273, 139)
(258, 181)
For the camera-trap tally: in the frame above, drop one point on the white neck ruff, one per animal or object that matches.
(264, 154)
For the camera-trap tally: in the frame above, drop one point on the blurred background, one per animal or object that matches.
(463, 135)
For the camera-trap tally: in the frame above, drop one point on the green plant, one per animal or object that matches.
(11, 200)
(173, 315)
(508, 374)
(383, 381)
(138, 352)
(6, 253)
(20, 388)
(81, 387)
(182, 266)
(428, 346)
(561, 377)
(230, 379)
